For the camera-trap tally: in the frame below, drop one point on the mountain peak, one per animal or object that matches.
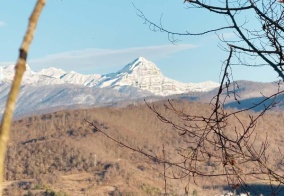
(144, 74)
(52, 72)
(12, 67)
(140, 59)
(138, 65)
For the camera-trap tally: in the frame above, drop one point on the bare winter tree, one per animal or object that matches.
(223, 140)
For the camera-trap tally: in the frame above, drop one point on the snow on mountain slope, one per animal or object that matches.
(76, 78)
(30, 77)
(146, 75)
(141, 74)
(71, 77)
(52, 72)
(53, 89)
(43, 99)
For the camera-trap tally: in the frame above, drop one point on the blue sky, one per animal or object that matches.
(90, 36)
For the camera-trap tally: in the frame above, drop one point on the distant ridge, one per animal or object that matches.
(140, 73)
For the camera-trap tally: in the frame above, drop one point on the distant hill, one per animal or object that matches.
(248, 94)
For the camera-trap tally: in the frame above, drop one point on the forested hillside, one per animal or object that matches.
(61, 153)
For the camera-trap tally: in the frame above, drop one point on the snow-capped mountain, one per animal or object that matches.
(145, 75)
(55, 89)
(141, 74)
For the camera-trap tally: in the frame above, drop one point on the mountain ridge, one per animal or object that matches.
(140, 73)
(54, 89)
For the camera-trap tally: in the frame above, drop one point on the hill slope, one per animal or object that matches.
(61, 151)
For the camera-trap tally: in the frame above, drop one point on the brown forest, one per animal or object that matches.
(59, 153)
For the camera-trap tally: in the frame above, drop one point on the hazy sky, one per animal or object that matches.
(90, 36)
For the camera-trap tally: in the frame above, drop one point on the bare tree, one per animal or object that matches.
(259, 38)
(19, 72)
(223, 139)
